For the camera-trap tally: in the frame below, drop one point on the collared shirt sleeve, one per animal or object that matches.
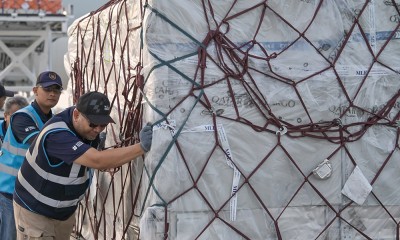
(24, 128)
(64, 146)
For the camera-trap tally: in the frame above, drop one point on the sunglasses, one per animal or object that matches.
(92, 125)
(55, 89)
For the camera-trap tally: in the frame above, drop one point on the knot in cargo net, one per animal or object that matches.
(271, 120)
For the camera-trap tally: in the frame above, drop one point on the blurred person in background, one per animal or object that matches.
(4, 94)
(11, 105)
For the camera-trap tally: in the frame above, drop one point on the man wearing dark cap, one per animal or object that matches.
(4, 94)
(24, 126)
(56, 172)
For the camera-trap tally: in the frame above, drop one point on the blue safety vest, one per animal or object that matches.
(13, 152)
(50, 187)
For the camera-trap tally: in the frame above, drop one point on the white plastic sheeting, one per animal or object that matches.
(191, 174)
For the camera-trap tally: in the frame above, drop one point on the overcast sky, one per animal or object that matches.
(81, 7)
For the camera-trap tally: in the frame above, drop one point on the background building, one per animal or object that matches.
(33, 38)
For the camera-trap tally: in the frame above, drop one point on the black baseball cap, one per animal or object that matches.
(96, 107)
(4, 92)
(48, 78)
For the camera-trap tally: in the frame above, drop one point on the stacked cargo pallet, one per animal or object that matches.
(272, 120)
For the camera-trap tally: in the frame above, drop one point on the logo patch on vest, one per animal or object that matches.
(30, 128)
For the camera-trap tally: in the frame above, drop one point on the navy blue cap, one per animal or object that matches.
(4, 92)
(48, 78)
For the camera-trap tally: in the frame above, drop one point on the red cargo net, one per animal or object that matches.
(234, 62)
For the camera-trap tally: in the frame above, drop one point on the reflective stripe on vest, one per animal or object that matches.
(13, 152)
(71, 180)
(46, 200)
